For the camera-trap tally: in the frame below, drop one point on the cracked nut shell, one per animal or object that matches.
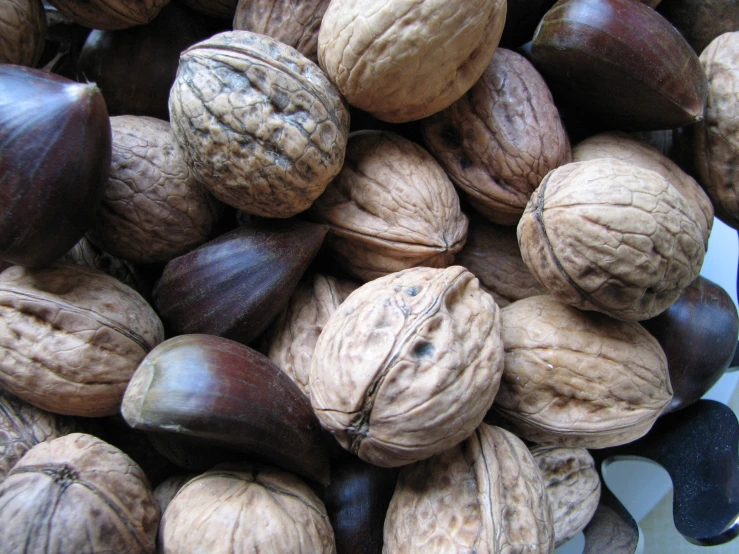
(408, 365)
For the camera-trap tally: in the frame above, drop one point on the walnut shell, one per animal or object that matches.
(402, 60)
(294, 23)
(168, 489)
(573, 488)
(77, 494)
(262, 126)
(22, 31)
(485, 495)
(23, 426)
(628, 149)
(492, 254)
(153, 209)
(295, 333)
(391, 207)
(716, 138)
(71, 338)
(613, 237)
(408, 365)
(500, 139)
(109, 14)
(246, 508)
(576, 378)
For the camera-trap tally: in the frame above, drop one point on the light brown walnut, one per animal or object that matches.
(261, 125)
(408, 365)
(294, 23)
(573, 488)
(610, 236)
(246, 508)
(631, 150)
(391, 207)
(295, 334)
(574, 378)
(500, 139)
(485, 495)
(402, 60)
(22, 31)
(109, 15)
(77, 494)
(716, 138)
(71, 337)
(153, 207)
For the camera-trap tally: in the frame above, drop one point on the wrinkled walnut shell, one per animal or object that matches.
(22, 31)
(109, 14)
(408, 365)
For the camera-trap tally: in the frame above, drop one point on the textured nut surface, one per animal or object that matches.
(610, 236)
(153, 208)
(168, 489)
(408, 365)
(294, 23)
(406, 59)
(628, 149)
(22, 31)
(246, 508)
(87, 254)
(262, 126)
(391, 207)
(23, 426)
(574, 378)
(485, 495)
(295, 334)
(110, 14)
(71, 337)
(500, 139)
(573, 488)
(492, 254)
(77, 494)
(716, 138)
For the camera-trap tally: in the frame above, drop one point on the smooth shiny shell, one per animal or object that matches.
(500, 139)
(402, 60)
(246, 508)
(263, 127)
(77, 494)
(613, 237)
(408, 365)
(485, 496)
(574, 378)
(22, 31)
(392, 207)
(71, 338)
(109, 14)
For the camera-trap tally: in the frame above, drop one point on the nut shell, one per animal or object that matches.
(109, 14)
(408, 365)
(263, 127)
(22, 31)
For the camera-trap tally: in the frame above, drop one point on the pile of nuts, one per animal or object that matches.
(375, 285)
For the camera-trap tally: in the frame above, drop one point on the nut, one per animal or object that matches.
(109, 14)
(22, 31)
(408, 365)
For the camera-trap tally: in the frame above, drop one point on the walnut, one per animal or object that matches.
(574, 378)
(499, 140)
(295, 333)
(573, 488)
(246, 508)
(22, 31)
(402, 60)
(168, 489)
(109, 14)
(492, 254)
(610, 236)
(23, 426)
(392, 207)
(627, 149)
(485, 495)
(153, 209)
(294, 23)
(77, 494)
(71, 338)
(408, 365)
(262, 126)
(716, 138)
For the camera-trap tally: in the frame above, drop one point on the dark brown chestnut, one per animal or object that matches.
(55, 148)
(699, 335)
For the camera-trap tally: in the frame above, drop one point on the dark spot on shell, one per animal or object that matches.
(422, 349)
(412, 291)
(451, 137)
(465, 162)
